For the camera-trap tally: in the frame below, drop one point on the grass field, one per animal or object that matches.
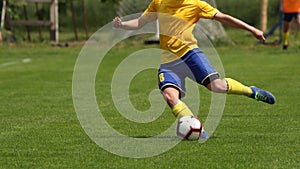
(39, 127)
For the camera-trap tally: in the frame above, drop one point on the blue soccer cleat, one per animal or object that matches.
(262, 95)
(204, 135)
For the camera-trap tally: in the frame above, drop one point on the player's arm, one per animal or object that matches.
(129, 25)
(236, 23)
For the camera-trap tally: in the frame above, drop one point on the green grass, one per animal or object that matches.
(39, 127)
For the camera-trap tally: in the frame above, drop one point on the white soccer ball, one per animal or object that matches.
(189, 128)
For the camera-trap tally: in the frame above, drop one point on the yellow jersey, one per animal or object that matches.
(177, 19)
(290, 6)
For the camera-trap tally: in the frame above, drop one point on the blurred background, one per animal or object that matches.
(78, 19)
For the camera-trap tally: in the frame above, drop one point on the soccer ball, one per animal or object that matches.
(189, 128)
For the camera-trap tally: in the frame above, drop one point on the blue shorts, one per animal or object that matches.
(193, 65)
(289, 16)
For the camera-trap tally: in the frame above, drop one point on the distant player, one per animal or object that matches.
(182, 57)
(291, 10)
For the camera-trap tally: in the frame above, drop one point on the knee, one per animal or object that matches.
(218, 86)
(171, 96)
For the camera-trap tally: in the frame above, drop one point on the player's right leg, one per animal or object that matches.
(179, 108)
(172, 87)
(285, 37)
(286, 26)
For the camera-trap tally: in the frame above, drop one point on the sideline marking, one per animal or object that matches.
(26, 60)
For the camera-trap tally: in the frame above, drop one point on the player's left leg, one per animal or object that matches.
(298, 26)
(203, 73)
(231, 86)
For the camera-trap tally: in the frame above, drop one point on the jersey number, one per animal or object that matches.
(161, 77)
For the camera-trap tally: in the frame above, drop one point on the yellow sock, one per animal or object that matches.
(181, 109)
(285, 38)
(235, 87)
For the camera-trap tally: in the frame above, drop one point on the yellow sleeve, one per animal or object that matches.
(150, 13)
(206, 10)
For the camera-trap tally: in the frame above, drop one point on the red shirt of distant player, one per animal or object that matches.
(290, 6)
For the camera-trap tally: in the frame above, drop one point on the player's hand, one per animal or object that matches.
(259, 34)
(117, 22)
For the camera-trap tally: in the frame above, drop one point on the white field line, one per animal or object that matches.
(26, 60)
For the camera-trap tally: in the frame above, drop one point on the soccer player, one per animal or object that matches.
(181, 56)
(290, 9)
